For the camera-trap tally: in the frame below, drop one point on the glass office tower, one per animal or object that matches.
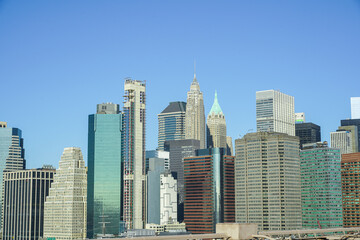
(11, 152)
(104, 171)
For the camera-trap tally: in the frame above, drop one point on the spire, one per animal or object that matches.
(216, 109)
(194, 72)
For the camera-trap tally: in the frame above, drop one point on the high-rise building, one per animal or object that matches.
(346, 139)
(161, 193)
(275, 112)
(65, 206)
(355, 107)
(104, 196)
(156, 167)
(23, 208)
(180, 149)
(216, 126)
(195, 114)
(321, 186)
(267, 176)
(134, 154)
(308, 133)
(353, 122)
(209, 190)
(171, 123)
(350, 180)
(12, 153)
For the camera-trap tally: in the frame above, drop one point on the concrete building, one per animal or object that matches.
(352, 122)
(195, 114)
(275, 112)
(65, 206)
(171, 123)
(161, 194)
(158, 154)
(104, 195)
(180, 149)
(209, 190)
(134, 154)
(216, 127)
(168, 198)
(308, 133)
(350, 180)
(320, 186)
(267, 177)
(355, 107)
(12, 152)
(23, 208)
(344, 140)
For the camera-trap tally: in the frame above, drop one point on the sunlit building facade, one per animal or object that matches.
(104, 209)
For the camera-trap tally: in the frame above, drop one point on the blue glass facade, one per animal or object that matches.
(11, 153)
(104, 208)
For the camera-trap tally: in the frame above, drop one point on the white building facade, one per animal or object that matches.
(168, 198)
(355, 107)
(65, 207)
(275, 112)
(134, 210)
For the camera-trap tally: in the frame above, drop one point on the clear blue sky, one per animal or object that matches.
(58, 59)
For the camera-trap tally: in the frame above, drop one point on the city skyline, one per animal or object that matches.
(60, 70)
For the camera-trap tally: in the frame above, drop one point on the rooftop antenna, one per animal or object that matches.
(194, 69)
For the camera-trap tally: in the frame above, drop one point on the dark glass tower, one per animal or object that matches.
(209, 190)
(308, 133)
(104, 207)
(12, 153)
(171, 123)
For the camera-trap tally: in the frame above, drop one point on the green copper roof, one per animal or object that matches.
(216, 109)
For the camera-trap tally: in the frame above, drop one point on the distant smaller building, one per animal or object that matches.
(300, 117)
(355, 107)
(308, 133)
(350, 179)
(23, 207)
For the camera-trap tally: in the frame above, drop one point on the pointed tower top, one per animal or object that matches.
(194, 80)
(216, 109)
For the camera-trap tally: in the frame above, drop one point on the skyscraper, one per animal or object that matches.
(275, 112)
(267, 176)
(209, 190)
(308, 133)
(180, 149)
(350, 179)
(65, 206)
(353, 122)
(320, 186)
(216, 126)
(134, 154)
(24, 197)
(161, 193)
(195, 114)
(12, 153)
(104, 209)
(355, 107)
(346, 139)
(171, 123)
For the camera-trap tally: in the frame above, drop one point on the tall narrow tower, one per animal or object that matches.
(216, 126)
(195, 114)
(134, 154)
